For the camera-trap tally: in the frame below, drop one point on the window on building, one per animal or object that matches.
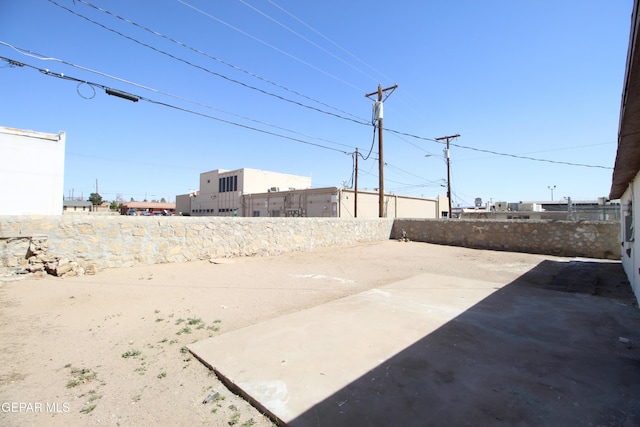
(256, 213)
(629, 225)
(227, 184)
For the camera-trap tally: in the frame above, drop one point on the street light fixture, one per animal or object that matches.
(551, 188)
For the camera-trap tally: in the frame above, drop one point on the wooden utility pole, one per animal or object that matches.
(378, 116)
(446, 154)
(355, 196)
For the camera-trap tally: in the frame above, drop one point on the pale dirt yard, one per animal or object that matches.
(109, 349)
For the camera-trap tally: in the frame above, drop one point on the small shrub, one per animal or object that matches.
(131, 353)
(88, 409)
(185, 330)
(234, 419)
(81, 376)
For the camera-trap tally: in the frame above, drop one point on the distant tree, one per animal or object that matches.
(163, 200)
(132, 200)
(115, 206)
(95, 199)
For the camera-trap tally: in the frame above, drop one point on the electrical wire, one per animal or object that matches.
(207, 55)
(373, 141)
(496, 152)
(135, 98)
(184, 61)
(328, 39)
(359, 121)
(409, 173)
(307, 40)
(325, 112)
(269, 45)
(35, 55)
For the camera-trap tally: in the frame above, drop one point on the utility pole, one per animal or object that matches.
(378, 115)
(446, 154)
(355, 197)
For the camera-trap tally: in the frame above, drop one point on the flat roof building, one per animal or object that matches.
(32, 172)
(257, 193)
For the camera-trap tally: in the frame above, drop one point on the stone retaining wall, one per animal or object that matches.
(79, 244)
(69, 244)
(591, 239)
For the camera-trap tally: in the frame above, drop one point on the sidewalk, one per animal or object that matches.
(441, 350)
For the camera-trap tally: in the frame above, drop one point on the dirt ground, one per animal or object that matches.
(110, 349)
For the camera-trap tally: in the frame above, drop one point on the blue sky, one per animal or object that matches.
(280, 85)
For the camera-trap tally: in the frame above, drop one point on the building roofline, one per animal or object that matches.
(32, 133)
(627, 163)
(143, 205)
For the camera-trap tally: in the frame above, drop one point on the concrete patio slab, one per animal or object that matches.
(440, 350)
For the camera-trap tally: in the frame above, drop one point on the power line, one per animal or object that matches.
(268, 45)
(35, 55)
(207, 55)
(411, 174)
(498, 153)
(328, 39)
(135, 98)
(184, 61)
(306, 39)
(359, 121)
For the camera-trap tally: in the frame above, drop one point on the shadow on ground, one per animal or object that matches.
(549, 349)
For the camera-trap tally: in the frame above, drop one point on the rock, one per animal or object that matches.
(221, 261)
(63, 269)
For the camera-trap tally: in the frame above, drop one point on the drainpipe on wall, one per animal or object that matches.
(395, 214)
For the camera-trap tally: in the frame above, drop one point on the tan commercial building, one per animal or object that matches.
(340, 203)
(258, 193)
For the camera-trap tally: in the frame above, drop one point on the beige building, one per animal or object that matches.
(339, 203)
(222, 192)
(257, 193)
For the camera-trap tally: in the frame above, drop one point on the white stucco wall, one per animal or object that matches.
(629, 204)
(31, 172)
